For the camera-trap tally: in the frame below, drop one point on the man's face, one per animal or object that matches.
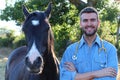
(89, 23)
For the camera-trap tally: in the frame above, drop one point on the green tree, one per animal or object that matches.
(64, 19)
(6, 37)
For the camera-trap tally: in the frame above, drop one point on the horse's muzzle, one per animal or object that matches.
(35, 67)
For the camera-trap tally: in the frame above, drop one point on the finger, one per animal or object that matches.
(69, 66)
(110, 68)
(68, 63)
(112, 72)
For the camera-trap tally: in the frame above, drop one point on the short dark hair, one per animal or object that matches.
(89, 10)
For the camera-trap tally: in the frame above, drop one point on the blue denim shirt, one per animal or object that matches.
(89, 58)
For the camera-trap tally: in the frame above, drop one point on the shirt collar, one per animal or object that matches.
(82, 41)
(97, 40)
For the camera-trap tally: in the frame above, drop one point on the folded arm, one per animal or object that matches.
(91, 75)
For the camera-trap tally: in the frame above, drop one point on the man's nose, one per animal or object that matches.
(89, 23)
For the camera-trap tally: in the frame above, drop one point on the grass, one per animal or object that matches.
(3, 59)
(2, 68)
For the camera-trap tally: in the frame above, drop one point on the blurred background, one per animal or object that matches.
(64, 21)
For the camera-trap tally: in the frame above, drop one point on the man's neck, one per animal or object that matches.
(90, 39)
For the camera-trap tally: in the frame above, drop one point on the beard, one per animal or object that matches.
(89, 33)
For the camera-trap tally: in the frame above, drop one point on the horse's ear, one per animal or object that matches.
(25, 11)
(48, 10)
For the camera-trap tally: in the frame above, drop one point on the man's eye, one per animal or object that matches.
(85, 20)
(93, 20)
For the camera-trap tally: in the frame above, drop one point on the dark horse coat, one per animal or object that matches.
(37, 60)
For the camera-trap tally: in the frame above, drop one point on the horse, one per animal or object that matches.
(37, 59)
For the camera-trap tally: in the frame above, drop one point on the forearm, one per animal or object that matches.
(85, 76)
(106, 72)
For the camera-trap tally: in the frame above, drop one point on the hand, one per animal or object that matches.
(106, 72)
(69, 66)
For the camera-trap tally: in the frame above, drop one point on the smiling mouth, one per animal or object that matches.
(89, 29)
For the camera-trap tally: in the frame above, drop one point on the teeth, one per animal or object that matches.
(89, 28)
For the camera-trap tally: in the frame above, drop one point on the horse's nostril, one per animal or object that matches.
(38, 59)
(26, 60)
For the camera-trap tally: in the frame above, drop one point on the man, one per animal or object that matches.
(91, 58)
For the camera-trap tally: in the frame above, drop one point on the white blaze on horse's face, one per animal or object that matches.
(33, 54)
(35, 22)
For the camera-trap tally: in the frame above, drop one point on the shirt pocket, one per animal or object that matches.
(100, 60)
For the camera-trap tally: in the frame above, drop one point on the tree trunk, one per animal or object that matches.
(91, 2)
(77, 2)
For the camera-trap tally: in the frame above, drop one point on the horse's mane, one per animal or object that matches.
(51, 41)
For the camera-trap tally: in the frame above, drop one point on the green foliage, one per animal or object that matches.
(110, 12)
(64, 36)
(13, 12)
(101, 4)
(67, 31)
(64, 20)
(107, 31)
(3, 31)
(59, 11)
(6, 39)
(19, 41)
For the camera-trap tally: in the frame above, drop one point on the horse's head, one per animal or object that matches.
(37, 30)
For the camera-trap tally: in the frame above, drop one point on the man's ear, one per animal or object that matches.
(80, 24)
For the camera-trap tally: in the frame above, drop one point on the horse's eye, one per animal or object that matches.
(35, 22)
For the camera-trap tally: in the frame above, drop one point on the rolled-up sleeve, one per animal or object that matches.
(112, 61)
(64, 73)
